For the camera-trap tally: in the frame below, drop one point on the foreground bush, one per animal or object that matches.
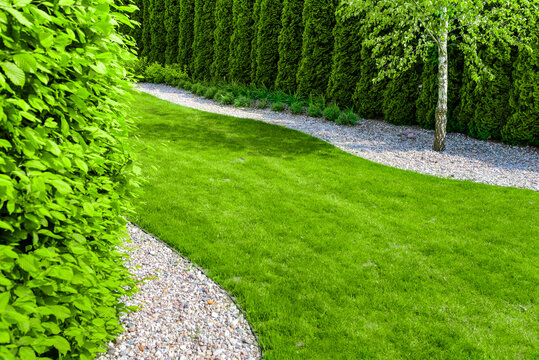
(65, 177)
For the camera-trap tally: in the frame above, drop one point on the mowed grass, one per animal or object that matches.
(335, 257)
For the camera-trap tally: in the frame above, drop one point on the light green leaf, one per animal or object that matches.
(46, 39)
(18, 16)
(13, 72)
(61, 186)
(26, 62)
(4, 300)
(6, 226)
(61, 344)
(27, 353)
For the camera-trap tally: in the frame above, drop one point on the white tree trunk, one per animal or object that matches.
(441, 108)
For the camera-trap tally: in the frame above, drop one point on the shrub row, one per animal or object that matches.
(302, 46)
(65, 178)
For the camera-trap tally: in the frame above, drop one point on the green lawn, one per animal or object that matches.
(335, 257)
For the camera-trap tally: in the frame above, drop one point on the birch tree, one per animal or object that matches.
(403, 31)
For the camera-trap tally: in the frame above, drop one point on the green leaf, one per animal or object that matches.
(60, 343)
(13, 72)
(5, 144)
(61, 272)
(6, 226)
(62, 187)
(26, 352)
(4, 337)
(4, 300)
(26, 62)
(46, 39)
(61, 312)
(18, 16)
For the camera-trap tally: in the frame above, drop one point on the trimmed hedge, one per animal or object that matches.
(203, 39)
(240, 41)
(267, 46)
(186, 34)
(172, 13)
(158, 32)
(65, 178)
(223, 31)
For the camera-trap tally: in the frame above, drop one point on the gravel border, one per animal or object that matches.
(404, 147)
(183, 313)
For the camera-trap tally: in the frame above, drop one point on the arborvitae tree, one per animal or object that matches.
(485, 104)
(267, 49)
(368, 95)
(186, 34)
(345, 70)
(172, 18)
(223, 31)
(203, 40)
(158, 32)
(254, 41)
(290, 41)
(400, 96)
(315, 67)
(136, 31)
(523, 125)
(146, 30)
(428, 96)
(240, 42)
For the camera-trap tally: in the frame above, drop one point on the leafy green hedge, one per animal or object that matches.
(65, 177)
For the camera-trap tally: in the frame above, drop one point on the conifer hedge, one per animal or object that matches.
(317, 48)
(146, 37)
(203, 40)
(158, 32)
(186, 34)
(223, 31)
(172, 14)
(254, 41)
(240, 41)
(290, 42)
(65, 177)
(267, 45)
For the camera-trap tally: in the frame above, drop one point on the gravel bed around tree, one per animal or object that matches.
(183, 314)
(404, 147)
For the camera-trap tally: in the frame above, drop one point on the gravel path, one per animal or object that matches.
(184, 314)
(404, 147)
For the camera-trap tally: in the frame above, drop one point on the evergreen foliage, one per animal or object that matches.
(267, 49)
(172, 16)
(223, 31)
(186, 34)
(254, 41)
(315, 67)
(203, 39)
(66, 177)
(240, 41)
(146, 28)
(400, 96)
(290, 42)
(136, 32)
(368, 94)
(523, 125)
(158, 32)
(346, 59)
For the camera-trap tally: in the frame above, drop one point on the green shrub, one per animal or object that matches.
(297, 107)
(218, 95)
(240, 41)
(138, 67)
(223, 31)
(158, 32)
(186, 34)
(267, 48)
(203, 39)
(242, 101)
(262, 103)
(66, 176)
(278, 106)
(174, 75)
(347, 117)
(155, 73)
(226, 98)
(210, 92)
(187, 85)
(199, 89)
(314, 110)
(172, 14)
(332, 112)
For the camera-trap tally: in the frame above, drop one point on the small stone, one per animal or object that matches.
(141, 347)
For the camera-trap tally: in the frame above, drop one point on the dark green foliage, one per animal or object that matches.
(523, 125)
(223, 31)
(158, 32)
(172, 18)
(278, 106)
(210, 92)
(267, 48)
(218, 95)
(226, 99)
(66, 176)
(400, 96)
(346, 59)
(146, 28)
(262, 104)
(240, 41)
(254, 41)
(347, 117)
(155, 73)
(175, 75)
(186, 35)
(290, 41)
(314, 110)
(315, 67)
(136, 31)
(368, 95)
(199, 89)
(203, 39)
(296, 107)
(242, 101)
(428, 95)
(332, 112)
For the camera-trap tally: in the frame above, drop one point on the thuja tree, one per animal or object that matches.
(186, 34)
(203, 38)
(267, 49)
(315, 67)
(254, 41)
(158, 32)
(346, 59)
(400, 96)
(146, 28)
(368, 94)
(523, 125)
(65, 177)
(290, 41)
(172, 15)
(223, 31)
(240, 41)
(419, 25)
(136, 31)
